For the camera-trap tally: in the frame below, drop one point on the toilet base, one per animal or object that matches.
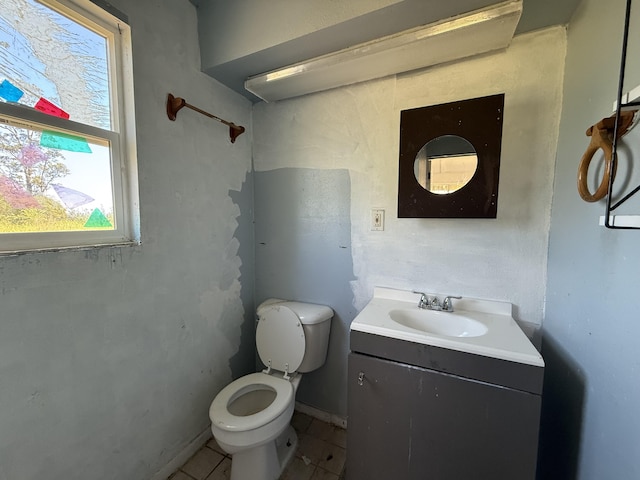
(266, 462)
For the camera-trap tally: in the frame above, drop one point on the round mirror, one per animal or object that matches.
(445, 164)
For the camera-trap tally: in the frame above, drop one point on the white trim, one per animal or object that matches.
(128, 147)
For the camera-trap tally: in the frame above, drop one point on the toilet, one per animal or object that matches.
(250, 417)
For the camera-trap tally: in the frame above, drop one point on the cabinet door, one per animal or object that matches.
(410, 423)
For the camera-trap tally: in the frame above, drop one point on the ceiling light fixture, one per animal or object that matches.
(452, 39)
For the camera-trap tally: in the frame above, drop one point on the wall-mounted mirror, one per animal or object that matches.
(450, 159)
(445, 164)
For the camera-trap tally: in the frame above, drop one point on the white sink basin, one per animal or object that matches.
(449, 324)
(481, 327)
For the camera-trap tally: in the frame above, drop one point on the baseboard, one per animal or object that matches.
(184, 455)
(321, 415)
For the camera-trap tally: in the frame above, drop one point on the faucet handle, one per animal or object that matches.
(424, 300)
(447, 306)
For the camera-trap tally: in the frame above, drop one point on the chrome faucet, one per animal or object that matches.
(424, 300)
(434, 303)
(447, 305)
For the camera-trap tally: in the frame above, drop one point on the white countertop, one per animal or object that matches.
(504, 339)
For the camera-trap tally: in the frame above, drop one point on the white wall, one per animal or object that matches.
(591, 426)
(109, 358)
(356, 129)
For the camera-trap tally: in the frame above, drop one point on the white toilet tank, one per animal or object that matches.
(316, 323)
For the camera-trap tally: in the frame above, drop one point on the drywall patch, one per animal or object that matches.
(353, 128)
(303, 252)
(243, 362)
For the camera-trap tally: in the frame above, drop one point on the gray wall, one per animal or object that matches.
(303, 252)
(339, 150)
(109, 358)
(591, 426)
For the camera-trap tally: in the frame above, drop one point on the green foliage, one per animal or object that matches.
(27, 166)
(49, 216)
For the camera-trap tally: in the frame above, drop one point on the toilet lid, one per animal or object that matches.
(280, 338)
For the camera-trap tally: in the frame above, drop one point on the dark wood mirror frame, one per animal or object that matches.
(478, 120)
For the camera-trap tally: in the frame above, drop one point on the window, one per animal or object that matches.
(67, 134)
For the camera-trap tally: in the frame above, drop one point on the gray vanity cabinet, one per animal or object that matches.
(419, 419)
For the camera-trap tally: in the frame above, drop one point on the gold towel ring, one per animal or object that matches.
(601, 138)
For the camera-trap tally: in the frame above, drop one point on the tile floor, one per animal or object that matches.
(321, 455)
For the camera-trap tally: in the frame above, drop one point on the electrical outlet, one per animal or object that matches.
(377, 219)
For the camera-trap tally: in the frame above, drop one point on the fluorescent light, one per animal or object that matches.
(452, 39)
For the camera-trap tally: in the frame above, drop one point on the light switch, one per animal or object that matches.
(377, 219)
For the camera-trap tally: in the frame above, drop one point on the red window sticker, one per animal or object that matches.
(49, 108)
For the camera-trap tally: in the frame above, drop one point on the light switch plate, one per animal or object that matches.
(377, 219)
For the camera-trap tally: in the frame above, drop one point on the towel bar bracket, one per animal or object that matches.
(175, 104)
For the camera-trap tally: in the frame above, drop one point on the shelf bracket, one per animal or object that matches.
(618, 127)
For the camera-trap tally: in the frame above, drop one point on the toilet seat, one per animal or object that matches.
(225, 420)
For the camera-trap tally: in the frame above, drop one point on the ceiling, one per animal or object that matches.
(243, 38)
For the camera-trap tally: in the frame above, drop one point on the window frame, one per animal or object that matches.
(121, 137)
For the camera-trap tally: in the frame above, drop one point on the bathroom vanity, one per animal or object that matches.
(442, 396)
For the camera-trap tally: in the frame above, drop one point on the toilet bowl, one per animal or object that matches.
(250, 417)
(254, 409)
